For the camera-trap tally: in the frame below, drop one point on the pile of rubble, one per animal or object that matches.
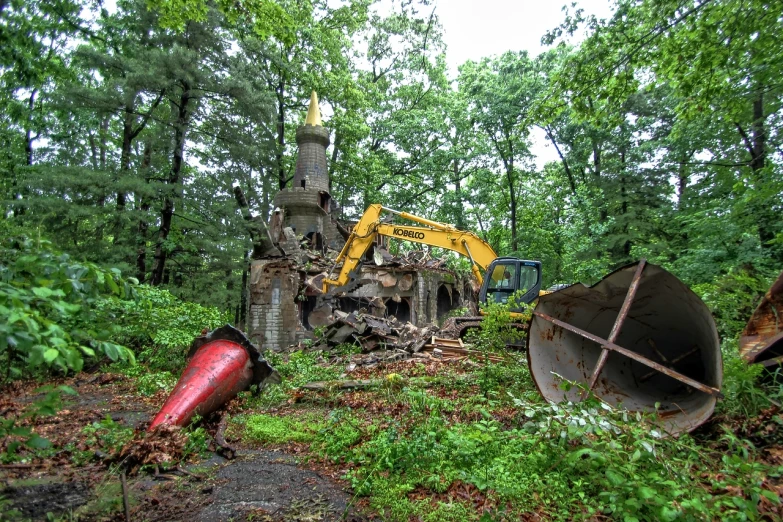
(374, 333)
(388, 340)
(413, 259)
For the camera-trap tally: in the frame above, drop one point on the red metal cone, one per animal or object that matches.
(216, 373)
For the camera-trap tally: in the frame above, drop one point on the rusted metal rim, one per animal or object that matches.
(639, 338)
(762, 339)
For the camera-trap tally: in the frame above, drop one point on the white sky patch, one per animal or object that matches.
(477, 29)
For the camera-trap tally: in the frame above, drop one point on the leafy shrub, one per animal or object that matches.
(149, 382)
(198, 441)
(161, 326)
(565, 461)
(335, 439)
(743, 397)
(733, 297)
(53, 307)
(302, 367)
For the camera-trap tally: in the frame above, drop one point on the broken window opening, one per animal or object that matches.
(323, 201)
(349, 304)
(305, 308)
(444, 302)
(316, 241)
(401, 310)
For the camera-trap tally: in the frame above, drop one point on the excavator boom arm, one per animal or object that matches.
(435, 234)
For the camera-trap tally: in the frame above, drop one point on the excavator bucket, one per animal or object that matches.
(639, 339)
(762, 339)
(222, 364)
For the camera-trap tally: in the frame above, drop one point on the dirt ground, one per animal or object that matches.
(257, 485)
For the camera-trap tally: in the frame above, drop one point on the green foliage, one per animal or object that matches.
(744, 395)
(16, 432)
(53, 309)
(295, 369)
(266, 17)
(149, 382)
(340, 432)
(159, 317)
(733, 297)
(499, 328)
(302, 367)
(162, 326)
(563, 460)
(198, 441)
(107, 435)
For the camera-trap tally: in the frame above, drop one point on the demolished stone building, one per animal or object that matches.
(305, 234)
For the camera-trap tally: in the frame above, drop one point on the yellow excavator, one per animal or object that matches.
(505, 276)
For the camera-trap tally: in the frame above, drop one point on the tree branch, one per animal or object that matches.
(746, 138)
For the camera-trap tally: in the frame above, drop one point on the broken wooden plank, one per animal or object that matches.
(456, 343)
(343, 385)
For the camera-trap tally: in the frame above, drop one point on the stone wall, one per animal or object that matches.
(274, 313)
(304, 214)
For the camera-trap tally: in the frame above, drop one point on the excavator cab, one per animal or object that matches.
(507, 276)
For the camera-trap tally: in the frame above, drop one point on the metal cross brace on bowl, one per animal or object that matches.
(608, 344)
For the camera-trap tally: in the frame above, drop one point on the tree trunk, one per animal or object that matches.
(29, 138)
(125, 151)
(460, 215)
(604, 214)
(768, 219)
(281, 177)
(627, 244)
(513, 200)
(682, 183)
(758, 152)
(756, 145)
(103, 132)
(166, 214)
(144, 206)
(128, 135)
(243, 299)
(563, 161)
(338, 139)
(266, 201)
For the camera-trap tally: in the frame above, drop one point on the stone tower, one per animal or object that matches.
(307, 205)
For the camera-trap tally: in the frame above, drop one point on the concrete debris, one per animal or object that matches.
(372, 333)
(387, 340)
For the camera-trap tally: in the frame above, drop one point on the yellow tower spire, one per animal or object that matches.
(313, 113)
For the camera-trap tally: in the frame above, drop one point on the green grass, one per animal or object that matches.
(270, 429)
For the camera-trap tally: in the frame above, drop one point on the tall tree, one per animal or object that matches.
(33, 37)
(720, 60)
(502, 91)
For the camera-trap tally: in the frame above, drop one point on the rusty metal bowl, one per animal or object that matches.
(638, 339)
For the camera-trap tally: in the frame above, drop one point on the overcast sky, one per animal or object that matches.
(477, 28)
(474, 29)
